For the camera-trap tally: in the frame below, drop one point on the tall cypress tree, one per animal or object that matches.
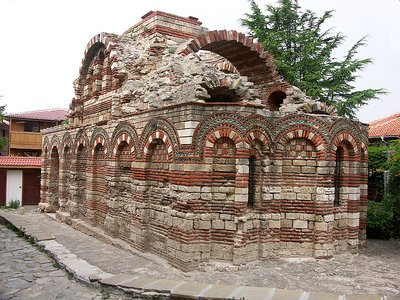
(303, 52)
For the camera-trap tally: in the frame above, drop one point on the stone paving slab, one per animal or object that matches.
(256, 293)
(367, 297)
(220, 291)
(117, 279)
(163, 285)
(325, 296)
(190, 290)
(138, 283)
(280, 294)
(175, 289)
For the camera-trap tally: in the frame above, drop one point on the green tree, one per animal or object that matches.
(392, 196)
(303, 52)
(3, 141)
(384, 217)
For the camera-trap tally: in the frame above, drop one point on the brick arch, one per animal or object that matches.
(312, 135)
(160, 125)
(81, 138)
(216, 121)
(55, 142)
(102, 40)
(223, 132)
(344, 138)
(101, 46)
(99, 136)
(124, 132)
(66, 141)
(248, 57)
(257, 134)
(364, 151)
(162, 135)
(45, 147)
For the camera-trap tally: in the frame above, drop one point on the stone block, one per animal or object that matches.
(218, 224)
(304, 196)
(229, 225)
(353, 222)
(320, 226)
(300, 224)
(204, 224)
(292, 216)
(274, 224)
(287, 223)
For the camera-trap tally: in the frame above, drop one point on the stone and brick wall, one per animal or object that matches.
(177, 156)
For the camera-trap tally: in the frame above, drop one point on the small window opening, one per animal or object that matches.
(275, 100)
(222, 94)
(252, 184)
(338, 175)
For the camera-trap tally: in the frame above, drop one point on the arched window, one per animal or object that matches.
(252, 181)
(158, 151)
(80, 169)
(123, 158)
(54, 171)
(338, 175)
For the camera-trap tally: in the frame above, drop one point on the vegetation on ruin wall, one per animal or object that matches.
(384, 217)
(303, 51)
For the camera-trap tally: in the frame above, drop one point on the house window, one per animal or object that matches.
(31, 127)
(4, 133)
(338, 175)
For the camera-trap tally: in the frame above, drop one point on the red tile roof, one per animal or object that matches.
(53, 114)
(20, 161)
(386, 127)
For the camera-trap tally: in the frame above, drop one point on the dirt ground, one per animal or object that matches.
(374, 270)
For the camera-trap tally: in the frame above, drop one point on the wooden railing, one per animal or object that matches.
(25, 140)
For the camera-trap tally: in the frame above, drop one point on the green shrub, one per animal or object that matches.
(14, 204)
(379, 219)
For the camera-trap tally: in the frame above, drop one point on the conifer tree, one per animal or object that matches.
(303, 52)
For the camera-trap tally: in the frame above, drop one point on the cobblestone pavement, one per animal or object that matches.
(26, 273)
(375, 270)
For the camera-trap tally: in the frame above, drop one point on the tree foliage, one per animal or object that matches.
(304, 54)
(2, 109)
(384, 217)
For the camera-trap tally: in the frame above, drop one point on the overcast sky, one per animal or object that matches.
(43, 42)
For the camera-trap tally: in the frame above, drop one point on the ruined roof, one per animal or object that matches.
(385, 127)
(166, 60)
(52, 114)
(20, 162)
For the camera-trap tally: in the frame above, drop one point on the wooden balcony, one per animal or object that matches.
(25, 140)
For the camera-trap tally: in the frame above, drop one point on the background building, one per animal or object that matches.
(20, 168)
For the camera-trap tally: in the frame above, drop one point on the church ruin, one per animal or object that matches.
(188, 143)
